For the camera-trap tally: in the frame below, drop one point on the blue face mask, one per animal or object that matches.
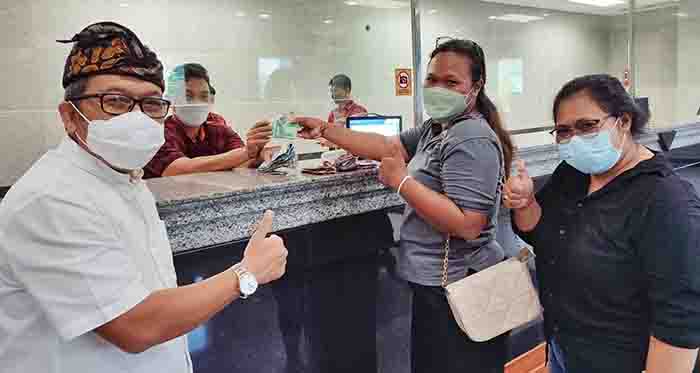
(591, 155)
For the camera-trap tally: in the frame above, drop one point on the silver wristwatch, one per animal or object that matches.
(247, 283)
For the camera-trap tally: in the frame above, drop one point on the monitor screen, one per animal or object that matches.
(387, 126)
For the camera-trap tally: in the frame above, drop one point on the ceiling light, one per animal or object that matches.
(123, 5)
(328, 21)
(432, 11)
(264, 16)
(546, 15)
(240, 14)
(380, 4)
(599, 3)
(681, 15)
(518, 18)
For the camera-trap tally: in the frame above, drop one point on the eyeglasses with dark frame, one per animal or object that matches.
(564, 134)
(118, 104)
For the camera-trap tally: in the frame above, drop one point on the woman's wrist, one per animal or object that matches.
(402, 184)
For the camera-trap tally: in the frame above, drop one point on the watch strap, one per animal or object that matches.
(238, 270)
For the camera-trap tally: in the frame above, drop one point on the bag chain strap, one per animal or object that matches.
(446, 261)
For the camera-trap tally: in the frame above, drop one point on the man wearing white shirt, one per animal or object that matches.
(87, 281)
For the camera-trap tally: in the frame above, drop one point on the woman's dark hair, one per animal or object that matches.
(608, 92)
(484, 105)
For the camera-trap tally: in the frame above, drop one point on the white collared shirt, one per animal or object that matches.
(80, 244)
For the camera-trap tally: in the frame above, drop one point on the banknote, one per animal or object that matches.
(282, 128)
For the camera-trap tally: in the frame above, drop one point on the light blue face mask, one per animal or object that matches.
(442, 104)
(593, 155)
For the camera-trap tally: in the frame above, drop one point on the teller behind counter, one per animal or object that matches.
(345, 106)
(199, 140)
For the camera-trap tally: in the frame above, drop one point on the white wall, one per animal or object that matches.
(667, 55)
(656, 52)
(564, 45)
(688, 61)
(656, 49)
(553, 51)
(208, 32)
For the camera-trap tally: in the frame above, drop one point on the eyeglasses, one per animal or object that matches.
(584, 127)
(116, 104)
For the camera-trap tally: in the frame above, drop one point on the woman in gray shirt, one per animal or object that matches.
(456, 161)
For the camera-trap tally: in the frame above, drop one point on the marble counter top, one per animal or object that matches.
(215, 208)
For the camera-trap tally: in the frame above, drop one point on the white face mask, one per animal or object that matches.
(338, 99)
(192, 115)
(128, 141)
(442, 104)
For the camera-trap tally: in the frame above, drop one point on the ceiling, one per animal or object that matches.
(567, 6)
(379, 4)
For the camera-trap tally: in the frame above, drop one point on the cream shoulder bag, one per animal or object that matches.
(496, 300)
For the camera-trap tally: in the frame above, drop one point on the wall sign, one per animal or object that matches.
(403, 82)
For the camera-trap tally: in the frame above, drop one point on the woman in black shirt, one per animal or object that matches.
(617, 237)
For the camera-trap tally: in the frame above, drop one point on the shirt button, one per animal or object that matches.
(556, 328)
(552, 262)
(579, 205)
(562, 232)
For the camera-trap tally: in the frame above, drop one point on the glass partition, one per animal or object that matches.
(269, 57)
(531, 51)
(666, 54)
(264, 57)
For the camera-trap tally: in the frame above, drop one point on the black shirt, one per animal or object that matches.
(619, 265)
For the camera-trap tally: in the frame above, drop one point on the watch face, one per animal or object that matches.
(248, 284)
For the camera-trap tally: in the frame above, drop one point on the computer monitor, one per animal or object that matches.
(383, 125)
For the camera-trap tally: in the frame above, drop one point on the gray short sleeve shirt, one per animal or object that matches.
(463, 161)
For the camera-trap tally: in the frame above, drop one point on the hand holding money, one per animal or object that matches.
(257, 138)
(282, 128)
